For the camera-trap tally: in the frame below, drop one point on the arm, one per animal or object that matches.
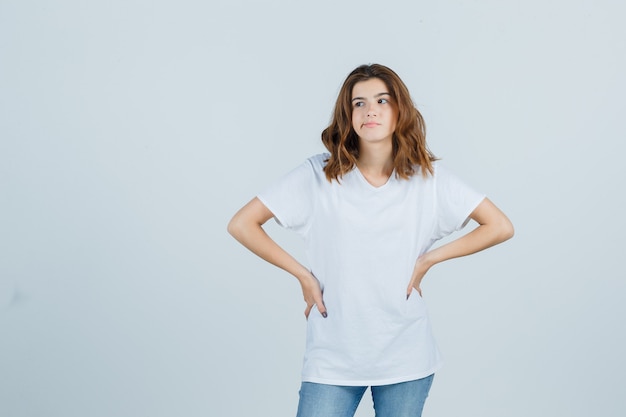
(493, 228)
(246, 227)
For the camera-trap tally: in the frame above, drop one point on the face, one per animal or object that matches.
(374, 114)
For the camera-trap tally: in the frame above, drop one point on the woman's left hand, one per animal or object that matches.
(493, 227)
(420, 269)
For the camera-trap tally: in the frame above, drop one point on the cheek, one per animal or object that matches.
(395, 117)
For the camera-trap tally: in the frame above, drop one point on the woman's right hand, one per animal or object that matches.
(312, 292)
(246, 227)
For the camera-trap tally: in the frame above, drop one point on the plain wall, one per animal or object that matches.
(131, 131)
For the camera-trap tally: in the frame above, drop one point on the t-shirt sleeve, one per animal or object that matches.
(455, 201)
(291, 198)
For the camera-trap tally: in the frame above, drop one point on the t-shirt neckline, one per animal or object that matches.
(369, 184)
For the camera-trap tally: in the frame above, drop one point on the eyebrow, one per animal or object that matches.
(377, 95)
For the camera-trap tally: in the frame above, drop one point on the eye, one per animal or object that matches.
(359, 104)
(383, 101)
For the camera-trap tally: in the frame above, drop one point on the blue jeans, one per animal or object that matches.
(405, 399)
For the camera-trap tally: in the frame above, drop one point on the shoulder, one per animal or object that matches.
(438, 167)
(308, 170)
(318, 162)
(315, 164)
(418, 176)
(440, 175)
(441, 171)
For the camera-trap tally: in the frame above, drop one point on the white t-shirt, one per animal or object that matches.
(362, 242)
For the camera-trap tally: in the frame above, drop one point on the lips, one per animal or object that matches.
(371, 124)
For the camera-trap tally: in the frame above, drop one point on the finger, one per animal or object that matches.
(321, 307)
(307, 310)
(410, 290)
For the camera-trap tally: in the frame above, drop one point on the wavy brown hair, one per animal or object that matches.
(409, 138)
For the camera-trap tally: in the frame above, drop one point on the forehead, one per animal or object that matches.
(369, 88)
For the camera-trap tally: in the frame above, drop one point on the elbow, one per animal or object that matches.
(240, 227)
(247, 222)
(507, 231)
(234, 227)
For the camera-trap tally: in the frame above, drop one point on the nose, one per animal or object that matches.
(372, 110)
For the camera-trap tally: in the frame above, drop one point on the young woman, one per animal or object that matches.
(369, 212)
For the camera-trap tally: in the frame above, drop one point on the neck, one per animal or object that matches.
(376, 159)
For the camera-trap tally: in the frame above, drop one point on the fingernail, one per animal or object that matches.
(324, 314)
(407, 296)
